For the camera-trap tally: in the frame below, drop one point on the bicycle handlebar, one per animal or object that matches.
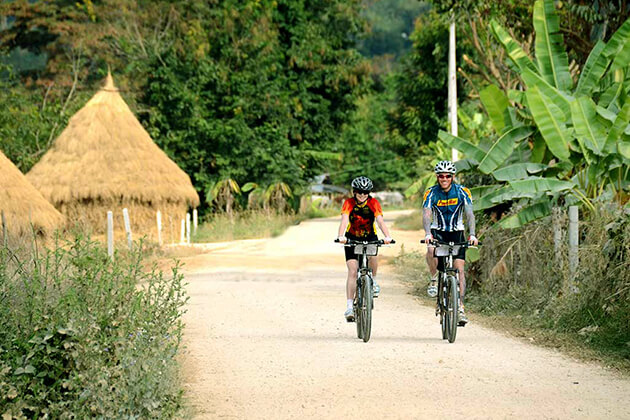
(438, 243)
(355, 242)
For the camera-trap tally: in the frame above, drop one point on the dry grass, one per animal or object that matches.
(24, 208)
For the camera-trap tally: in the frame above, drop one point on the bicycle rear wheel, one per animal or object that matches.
(366, 316)
(451, 308)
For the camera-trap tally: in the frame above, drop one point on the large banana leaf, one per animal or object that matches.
(539, 149)
(469, 149)
(496, 104)
(528, 214)
(547, 114)
(503, 148)
(518, 171)
(482, 190)
(538, 185)
(495, 196)
(588, 127)
(593, 70)
(618, 47)
(615, 133)
(551, 55)
(514, 51)
(624, 147)
(561, 99)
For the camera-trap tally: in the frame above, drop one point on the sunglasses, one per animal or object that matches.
(445, 176)
(361, 192)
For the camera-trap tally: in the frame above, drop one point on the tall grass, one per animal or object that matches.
(86, 337)
(243, 225)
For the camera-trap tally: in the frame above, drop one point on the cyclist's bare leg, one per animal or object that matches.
(459, 265)
(351, 283)
(373, 264)
(432, 261)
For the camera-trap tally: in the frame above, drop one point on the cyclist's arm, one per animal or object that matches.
(382, 226)
(426, 220)
(470, 219)
(343, 226)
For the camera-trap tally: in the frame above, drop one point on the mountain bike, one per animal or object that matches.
(448, 287)
(364, 298)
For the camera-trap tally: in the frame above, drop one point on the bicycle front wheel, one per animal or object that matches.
(366, 316)
(442, 293)
(451, 308)
(358, 304)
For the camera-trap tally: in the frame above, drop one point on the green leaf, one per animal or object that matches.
(593, 70)
(464, 146)
(546, 115)
(553, 62)
(503, 148)
(518, 171)
(513, 49)
(619, 47)
(482, 190)
(624, 147)
(544, 185)
(559, 99)
(526, 215)
(589, 129)
(517, 96)
(496, 104)
(249, 186)
(539, 149)
(616, 132)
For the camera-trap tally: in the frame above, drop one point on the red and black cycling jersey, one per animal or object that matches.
(362, 217)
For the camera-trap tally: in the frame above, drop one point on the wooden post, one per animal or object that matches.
(573, 241)
(182, 237)
(128, 228)
(556, 220)
(159, 227)
(195, 220)
(110, 234)
(188, 228)
(5, 239)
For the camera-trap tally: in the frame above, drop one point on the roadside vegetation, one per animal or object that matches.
(86, 337)
(522, 283)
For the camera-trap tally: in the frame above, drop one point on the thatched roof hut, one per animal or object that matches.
(105, 160)
(24, 208)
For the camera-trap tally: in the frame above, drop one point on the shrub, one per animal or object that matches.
(84, 336)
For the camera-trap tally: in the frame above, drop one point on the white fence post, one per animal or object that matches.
(195, 220)
(573, 240)
(159, 227)
(110, 234)
(128, 227)
(182, 237)
(188, 228)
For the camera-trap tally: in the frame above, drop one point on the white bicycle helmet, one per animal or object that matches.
(445, 167)
(362, 183)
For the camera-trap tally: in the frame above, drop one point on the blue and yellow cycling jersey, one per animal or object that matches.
(447, 207)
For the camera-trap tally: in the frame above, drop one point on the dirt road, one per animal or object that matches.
(266, 339)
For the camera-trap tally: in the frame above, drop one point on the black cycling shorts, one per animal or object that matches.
(457, 236)
(350, 255)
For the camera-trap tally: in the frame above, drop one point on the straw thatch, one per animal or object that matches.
(24, 208)
(105, 160)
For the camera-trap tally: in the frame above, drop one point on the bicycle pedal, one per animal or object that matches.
(461, 324)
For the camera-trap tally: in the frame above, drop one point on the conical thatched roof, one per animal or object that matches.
(22, 204)
(105, 154)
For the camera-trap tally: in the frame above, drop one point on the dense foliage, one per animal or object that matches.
(83, 336)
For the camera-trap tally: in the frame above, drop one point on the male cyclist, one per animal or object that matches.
(444, 205)
(358, 215)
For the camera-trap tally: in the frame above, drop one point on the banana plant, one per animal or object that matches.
(556, 138)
